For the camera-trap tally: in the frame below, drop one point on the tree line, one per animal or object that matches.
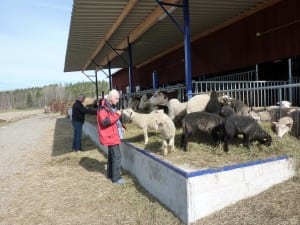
(38, 97)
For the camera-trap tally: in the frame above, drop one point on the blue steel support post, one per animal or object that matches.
(187, 49)
(187, 43)
(96, 83)
(130, 66)
(290, 80)
(109, 75)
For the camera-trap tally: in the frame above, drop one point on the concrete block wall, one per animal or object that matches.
(214, 189)
(159, 178)
(192, 195)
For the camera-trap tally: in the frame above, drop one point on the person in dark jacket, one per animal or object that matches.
(78, 116)
(110, 131)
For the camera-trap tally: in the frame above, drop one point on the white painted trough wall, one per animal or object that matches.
(193, 195)
(213, 189)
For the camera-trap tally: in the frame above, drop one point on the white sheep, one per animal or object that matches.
(158, 98)
(156, 120)
(284, 104)
(167, 130)
(283, 126)
(197, 103)
(175, 107)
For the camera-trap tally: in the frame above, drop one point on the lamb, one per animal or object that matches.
(167, 129)
(156, 120)
(251, 130)
(283, 126)
(200, 121)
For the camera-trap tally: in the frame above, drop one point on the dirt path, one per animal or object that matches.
(20, 143)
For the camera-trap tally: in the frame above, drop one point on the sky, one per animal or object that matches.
(33, 42)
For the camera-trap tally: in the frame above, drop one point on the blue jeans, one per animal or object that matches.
(77, 135)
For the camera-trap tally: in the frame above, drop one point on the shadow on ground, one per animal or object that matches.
(92, 165)
(63, 138)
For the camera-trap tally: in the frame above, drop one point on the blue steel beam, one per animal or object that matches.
(187, 49)
(130, 73)
(96, 79)
(109, 75)
(116, 51)
(187, 43)
(169, 15)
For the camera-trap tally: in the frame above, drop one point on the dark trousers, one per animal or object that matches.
(77, 135)
(114, 163)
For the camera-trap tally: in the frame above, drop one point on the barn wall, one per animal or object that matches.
(234, 47)
(237, 46)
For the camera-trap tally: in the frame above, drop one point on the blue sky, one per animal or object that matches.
(33, 41)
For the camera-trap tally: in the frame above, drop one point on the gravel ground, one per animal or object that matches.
(20, 142)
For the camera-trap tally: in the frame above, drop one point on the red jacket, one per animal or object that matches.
(107, 125)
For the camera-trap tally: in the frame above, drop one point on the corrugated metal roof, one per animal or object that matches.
(97, 26)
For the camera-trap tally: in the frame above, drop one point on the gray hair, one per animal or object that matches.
(113, 93)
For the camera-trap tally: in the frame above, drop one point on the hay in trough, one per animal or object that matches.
(203, 154)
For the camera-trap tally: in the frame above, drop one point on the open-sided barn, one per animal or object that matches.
(159, 45)
(248, 49)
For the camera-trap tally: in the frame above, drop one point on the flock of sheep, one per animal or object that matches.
(214, 114)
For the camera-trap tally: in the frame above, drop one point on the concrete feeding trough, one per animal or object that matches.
(192, 195)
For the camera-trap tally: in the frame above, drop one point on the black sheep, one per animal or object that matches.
(214, 104)
(226, 111)
(246, 126)
(239, 107)
(203, 122)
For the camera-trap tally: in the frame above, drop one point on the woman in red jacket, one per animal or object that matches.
(110, 134)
